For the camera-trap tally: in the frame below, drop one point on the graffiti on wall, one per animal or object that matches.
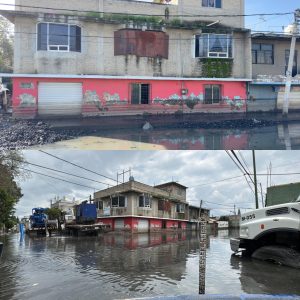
(236, 103)
(189, 100)
(91, 97)
(113, 99)
(27, 100)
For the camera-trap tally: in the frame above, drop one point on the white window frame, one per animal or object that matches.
(118, 206)
(150, 200)
(212, 6)
(181, 208)
(211, 54)
(58, 46)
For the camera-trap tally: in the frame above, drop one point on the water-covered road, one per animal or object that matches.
(121, 266)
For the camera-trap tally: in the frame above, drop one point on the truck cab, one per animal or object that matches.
(273, 226)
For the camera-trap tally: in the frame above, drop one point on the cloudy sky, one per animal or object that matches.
(269, 23)
(195, 169)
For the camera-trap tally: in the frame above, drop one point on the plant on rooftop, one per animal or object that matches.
(124, 18)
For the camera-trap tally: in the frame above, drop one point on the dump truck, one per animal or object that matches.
(271, 233)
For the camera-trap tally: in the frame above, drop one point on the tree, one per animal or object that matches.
(10, 192)
(6, 46)
(55, 213)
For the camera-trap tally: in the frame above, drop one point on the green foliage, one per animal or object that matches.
(124, 18)
(6, 46)
(54, 213)
(10, 193)
(216, 67)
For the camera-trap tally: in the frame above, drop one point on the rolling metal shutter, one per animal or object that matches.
(59, 98)
(143, 225)
(119, 224)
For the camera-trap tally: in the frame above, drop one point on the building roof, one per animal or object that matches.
(170, 183)
(272, 36)
(197, 207)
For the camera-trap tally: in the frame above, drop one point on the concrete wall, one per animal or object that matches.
(279, 66)
(133, 188)
(184, 7)
(97, 54)
(134, 209)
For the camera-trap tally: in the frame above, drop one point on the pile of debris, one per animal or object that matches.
(19, 134)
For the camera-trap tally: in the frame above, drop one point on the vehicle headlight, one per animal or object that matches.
(244, 231)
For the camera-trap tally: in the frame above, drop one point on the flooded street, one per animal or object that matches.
(124, 266)
(279, 137)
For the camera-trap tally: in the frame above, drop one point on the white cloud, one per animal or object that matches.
(190, 168)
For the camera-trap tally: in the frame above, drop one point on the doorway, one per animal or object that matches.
(140, 93)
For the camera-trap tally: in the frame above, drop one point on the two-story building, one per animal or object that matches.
(270, 57)
(122, 57)
(137, 207)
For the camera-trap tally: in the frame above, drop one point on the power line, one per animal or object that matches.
(150, 15)
(55, 170)
(244, 160)
(240, 170)
(212, 182)
(234, 161)
(121, 38)
(224, 205)
(240, 163)
(73, 164)
(277, 174)
(57, 178)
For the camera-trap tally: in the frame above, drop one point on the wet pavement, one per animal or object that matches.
(125, 266)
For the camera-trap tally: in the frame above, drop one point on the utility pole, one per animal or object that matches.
(288, 82)
(202, 253)
(255, 179)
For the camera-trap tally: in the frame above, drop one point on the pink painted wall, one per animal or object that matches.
(131, 223)
(171, 224)
(183, 225)
(107, 221)
(120, 89)
(155, 224)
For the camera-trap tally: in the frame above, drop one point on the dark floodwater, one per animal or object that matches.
(118, 267)
(281, 137)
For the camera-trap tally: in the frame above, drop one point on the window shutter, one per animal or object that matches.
(42, 36)
(218, 3)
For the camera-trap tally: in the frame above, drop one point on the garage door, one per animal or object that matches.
(143, 225)
(119, 224)
(59, 98)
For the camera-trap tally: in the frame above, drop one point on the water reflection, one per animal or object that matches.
(122, 266)
(289, 135)
(270, 137)
(265, 278)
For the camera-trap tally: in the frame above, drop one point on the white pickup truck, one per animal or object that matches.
(271, 233)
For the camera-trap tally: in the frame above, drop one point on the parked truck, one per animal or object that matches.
(86, 213)
(39, 219)
(271, 233)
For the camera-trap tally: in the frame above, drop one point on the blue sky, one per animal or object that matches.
(270, 23)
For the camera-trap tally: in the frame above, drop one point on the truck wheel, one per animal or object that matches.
(279, 254)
